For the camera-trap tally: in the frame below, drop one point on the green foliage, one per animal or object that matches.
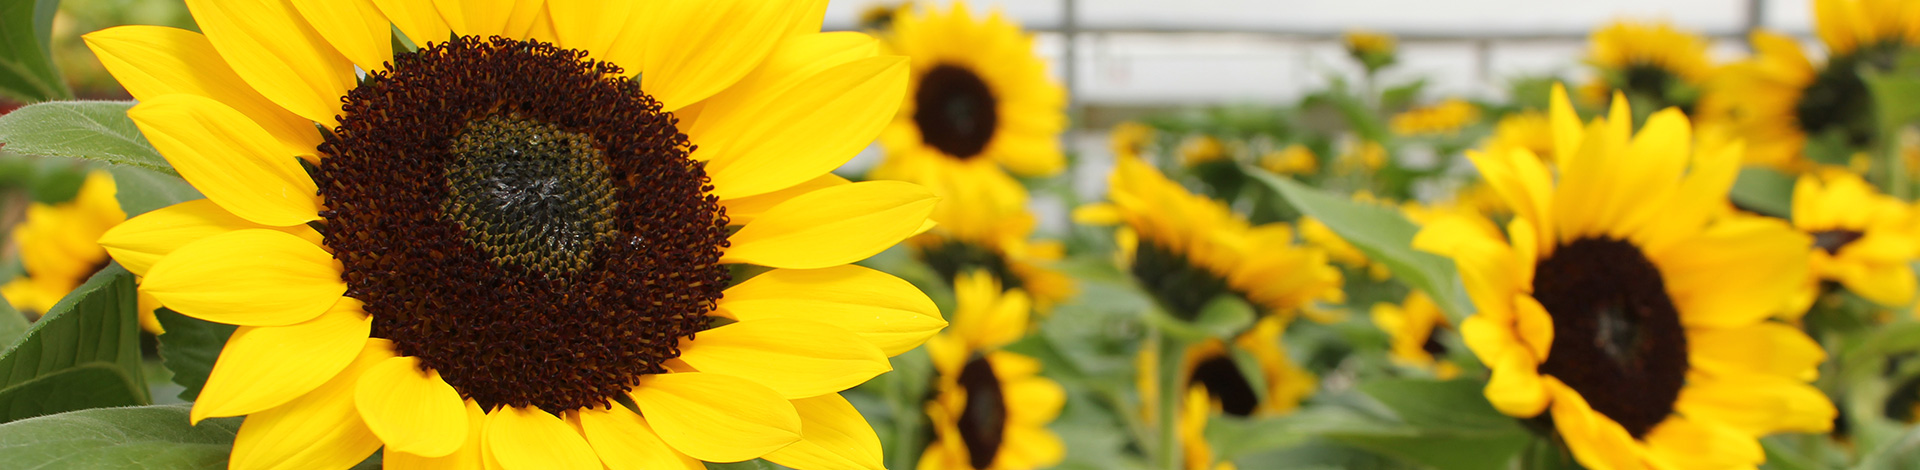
(85, 353)
(1765, 191)
(1430, 424)
(27, 73)
(144, 437)
(88, 130)
(12, 323)
(142, 190)
(190, 347)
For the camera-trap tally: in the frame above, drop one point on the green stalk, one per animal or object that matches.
(1168, 409)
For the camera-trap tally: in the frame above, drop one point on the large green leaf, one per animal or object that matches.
(27, 73)
(189, 348)
(145, 437)
(1384, 235)
(85, 353)
(142, 190)
(90, 130)
(1765, 191)
(12, 323)
(1442, 425)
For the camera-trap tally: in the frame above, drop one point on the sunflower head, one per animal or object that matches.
(1415, 326)
(1131, 139)
(1373, 50)
(1871, 27)
(1863, 240)
(59, 248)
(991, 408)
(1444, 118)
(1295, 159)
(1522, 130)
(1625, 303)
(1652, 61)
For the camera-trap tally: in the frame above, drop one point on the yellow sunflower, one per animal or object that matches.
(1415, 325)
(1863, 238)
(1216, 383)
(1373, 50)
(1649, 60)
(1629, 306)
(499, 251)
(1443, 118)
(993, 406)
(979, 105)
(59, 249)
(1131, 139)
(1200, 149)
(1186, 249)
(1003, 245)
(1295, 159)
(1522, 130)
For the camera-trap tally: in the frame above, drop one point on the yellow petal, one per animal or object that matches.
(1773, 348)
(230, 159)
(596, 25)
(1679, 442)
(274, 50)
(1737, 273)
(467, 458)
(1534, 325)
(625, 442)
(142, 241)
(264, 367)
(318, 430)
(696, 48)
(716, 417)
(743, 210)
(1597, 442)
(777, 132)
(1757, 404)
(832, 226)
(529, 438)
(487, 18)
(355, 28)
(520, 20)
(832, 435)
(883, 310)
(152, 61)
(248, 277)
(1516, 387)
(796, 358)
(411, 409)
(419, 19)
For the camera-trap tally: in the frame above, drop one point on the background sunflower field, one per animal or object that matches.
(1217, 235)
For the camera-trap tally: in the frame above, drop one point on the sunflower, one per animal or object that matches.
(1629, 306)
(1000, 243)
(979, 105)
(1862, 238)
(1443, 118)
(1522, 130)
(1217, 383)
(1778, 98)
(1373, 50)
(992, 408)
(1201, 149)
(1295, 159)
(1131, 139)
(1338, 250)
(1186, 250)
(1414, 326)
(59, 250)
(502, 249)
(1652, 61)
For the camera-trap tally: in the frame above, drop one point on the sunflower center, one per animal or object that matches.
(523, 220)
(1433, 345)
(1648, 78)
(950, 258)
(1834, 240)
(983, 422)
(1617, 336)
(1224, 382)
(1837, 100)
(1183, 288)
(955, 111)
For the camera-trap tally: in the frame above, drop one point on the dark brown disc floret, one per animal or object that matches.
(955, 110)
(1225, 382)
(1617, 337)
(983, 421)
(524, 220)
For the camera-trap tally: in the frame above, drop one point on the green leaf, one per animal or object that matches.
(27, 72)
(89, 130)
(13, 324)
(142, 190)
(189, 348)
(755, 464)
(1900, 453)
(85, 353)
(1764, 190)
(1384, 235)
(145, 437)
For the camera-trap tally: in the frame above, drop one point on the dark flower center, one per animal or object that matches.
(955, 111)
(1433, 345)
(983, 422)
(525, 221)
(1224, 382)
(950, 258)
(1660, 84)
(1833, 240)
(1617, 336)
(1838, 100)
(1183, 288)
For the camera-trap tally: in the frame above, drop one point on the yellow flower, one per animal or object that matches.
(1199, 149)
(59, 249)
(1627, 304)
(1367, 155)
(992, 407)
(1650, 59)
(1187, 249)
(1296, 159)
(1863, 238)
(1415, 326)
(1850, 26)
(501, 249)
(1523, 130)
(1373, 50)
(1446, 117)
(1217, 384)
(1339, 250)
(1131, 139)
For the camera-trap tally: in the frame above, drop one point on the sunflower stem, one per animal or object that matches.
(1167, 411)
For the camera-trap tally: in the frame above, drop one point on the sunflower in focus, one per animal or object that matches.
(59, 249)
(1373, 50)
(1862, 238)
(1778, 99)
(1415, 325)
(992, 407)
(1186, 249)
(1443, 118)
(1653, 61)
(498, 249)
(1624, 303)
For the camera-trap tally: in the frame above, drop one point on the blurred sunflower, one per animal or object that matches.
(1373, 50)
(501, 249)
(1201, 149)
(1522, 130)
(1186, 249)
(1216, 382)
(879, 17)
(1414, 326)
(1628, 306)
(1002, 244)
(1778, 98)
(1295, 159)
(1863, 239)
(1653, 61)
(1338, 250)
(1443, 118)
(992, 407)
(59, 249)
